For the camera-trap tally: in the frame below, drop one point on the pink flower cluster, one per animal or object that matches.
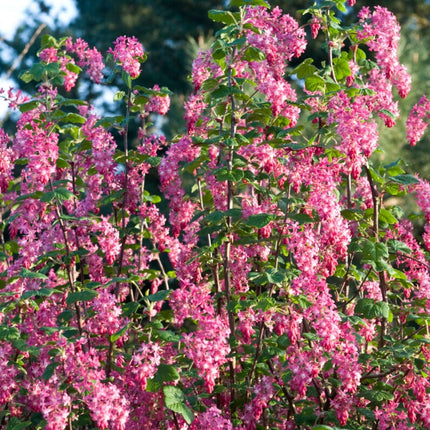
(356, 129)
(207, 348)
(128, 52)
(262, 300)
(14, 97)
(6, 161)
(280, 39)
(89, 58)
(212, 419)
(415, 124)
(381, 33)
(108, 239)
(36, 140)
(158, 104)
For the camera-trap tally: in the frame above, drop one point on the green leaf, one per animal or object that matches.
(111, 198)
(394, 168)
(49, 370)
(387, 217)
(398, 246)
(322, 427)
(152, 386)
(70, 332)
(396, 274)
(53, 69)
(223, 16)
(395, 189)
(114, 337)
(305, 69)
(224, 91)
(28, 274)
(340, 5)
(153, 161)
(210, 84)
(302, 301)
(275, 276)
(166, 373)
(387, 113)
(81, 296)
(302, 218)
(341, 68)
(15, 423)
(9, 333)
(126, 78)
(377, 396)
(119, 95)
(239, 3)
(168, 335)
(258, 278)
(74, 118)
(174, 400)
(38, 70)
(26, 77)
(129, 308)
(49, 41)
(175, 406)
(59, 194)
(65, 316)
(159, 296)
(375, 254)
(405, 179)
(61, 163)
(370, 308)
(253, 54)
(259, 220)
(25, 107)
(43, 292)
(69, 66)
(314, 83)
(225, 174)
(352, 214)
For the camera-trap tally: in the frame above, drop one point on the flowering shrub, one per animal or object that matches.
(282, 291)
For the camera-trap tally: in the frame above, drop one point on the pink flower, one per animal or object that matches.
(107, 319)
(193, 109)
(144, 363)
(49, 55)
(35, 141)
(204, 67)
(381, 33)
(315, 27)
(158, 104)
(356, 129)
(342, 404)
(212, 419)
(108, 239)
(128, 52)
(70, 77)
(89, 58)
(415, 124)
(208, 348)
(108, 407)
(7, 157)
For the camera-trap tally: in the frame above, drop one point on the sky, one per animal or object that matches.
(15, 12)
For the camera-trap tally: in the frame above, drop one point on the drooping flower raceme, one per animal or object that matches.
(128, 52)
(416, 124)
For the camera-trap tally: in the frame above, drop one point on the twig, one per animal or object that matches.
(24, 52)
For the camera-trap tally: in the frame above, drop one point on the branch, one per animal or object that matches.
(24, 52)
